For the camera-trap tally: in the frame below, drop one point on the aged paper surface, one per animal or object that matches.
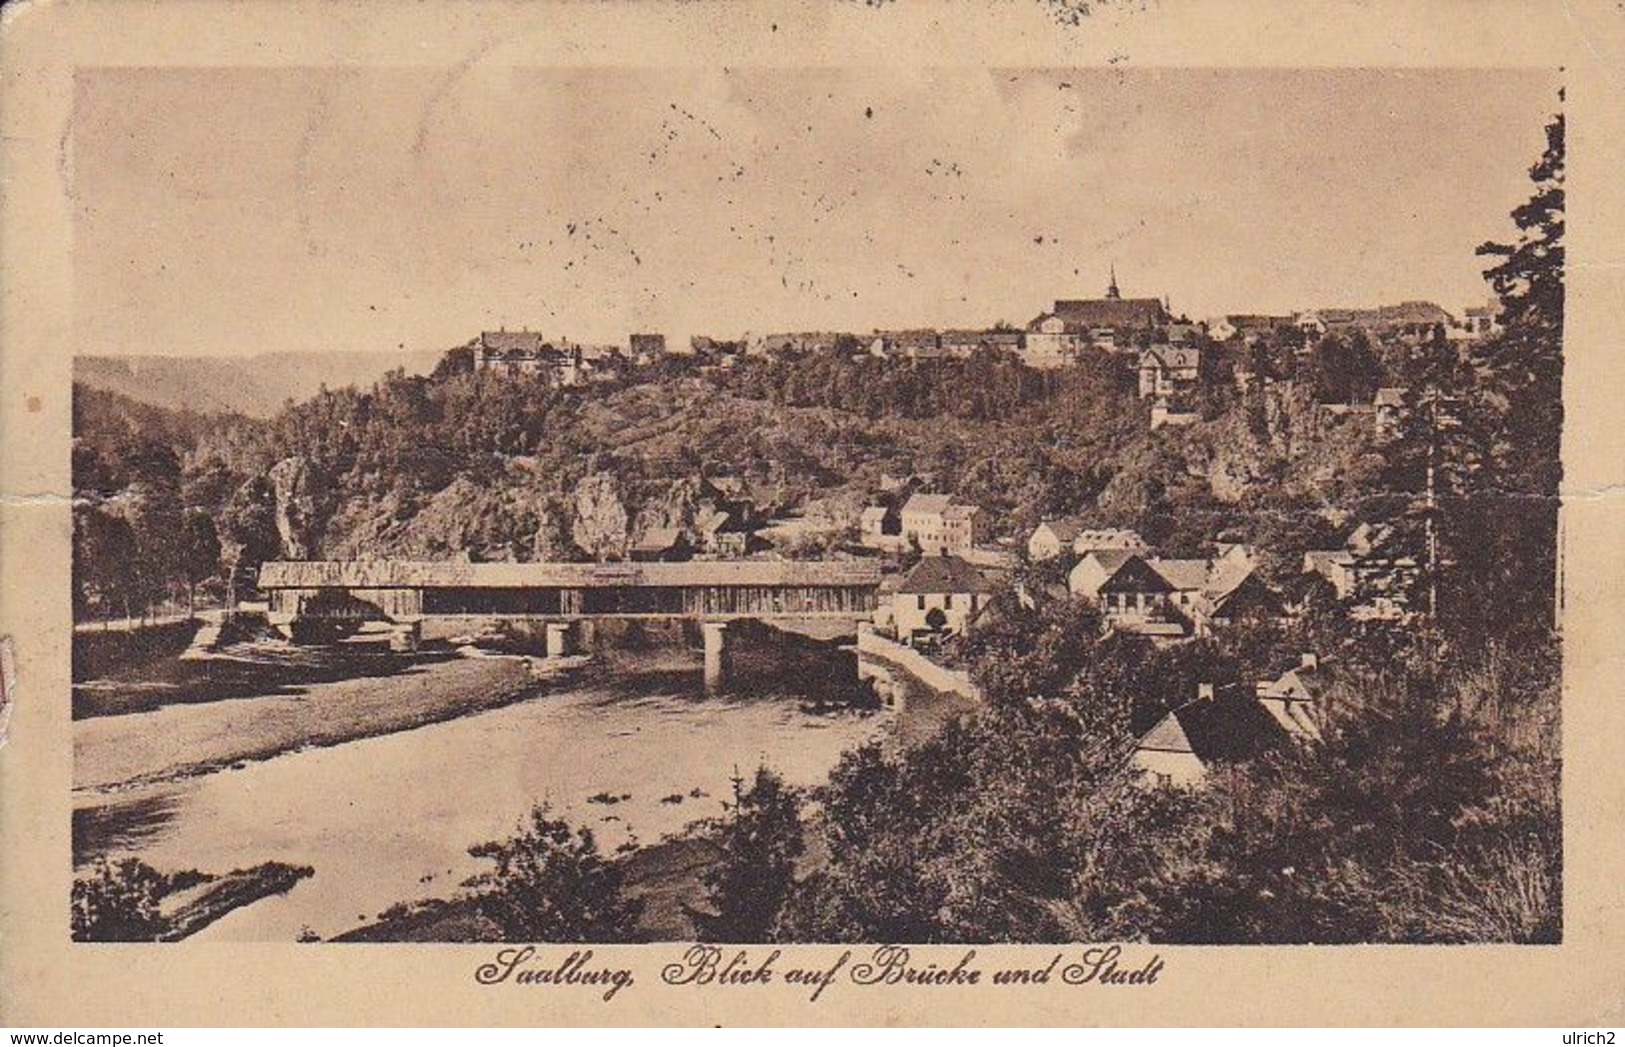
(227, 184)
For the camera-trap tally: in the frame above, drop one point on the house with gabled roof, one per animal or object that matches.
(1295, 698)
(1249, 599)
(940, 526)
(722, 531)
(1169, 370)
(1388, 408)
(1216, 728)
(940, 597)
(661, 544)
(1173, 598)
(1093, 570)
(1052, 538)
(1061, 535)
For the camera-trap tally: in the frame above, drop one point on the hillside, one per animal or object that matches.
(257, 386)
(513, 469)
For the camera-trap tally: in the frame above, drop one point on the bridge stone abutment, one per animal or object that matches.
(558, 639)
(715, 637)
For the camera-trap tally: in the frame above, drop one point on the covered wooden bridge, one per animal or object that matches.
(314, 595)
(398, 590)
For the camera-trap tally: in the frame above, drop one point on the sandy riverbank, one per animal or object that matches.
(197, 733)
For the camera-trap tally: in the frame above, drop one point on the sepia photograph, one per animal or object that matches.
(794, 505)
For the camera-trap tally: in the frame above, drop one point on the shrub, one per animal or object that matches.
(551, 885)
(118, 902)
(760, 845)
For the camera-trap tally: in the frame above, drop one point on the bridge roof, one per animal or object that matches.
(391, 574)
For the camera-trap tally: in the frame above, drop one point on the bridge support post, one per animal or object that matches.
(716, 656)
(558, 639)
(406, 637)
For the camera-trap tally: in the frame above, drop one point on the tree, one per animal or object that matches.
(103, 561)
(760, 844)
(551, 885)
(1031, 652)
(1331, 371)
(118, 902)
(198, 553)
(1519, 402)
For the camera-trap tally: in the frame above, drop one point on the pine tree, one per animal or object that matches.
(760, 841)
(1519, 397)
(1524, 365)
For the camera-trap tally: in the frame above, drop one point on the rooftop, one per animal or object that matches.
(927, 503)
(388, 574)
(1167, 356)
(944, 574)
(1111, 312)
(1065, 528)
(1216, 730)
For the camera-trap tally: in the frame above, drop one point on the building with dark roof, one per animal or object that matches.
(1055, 337)
(660, 544)
(1173, 598)
(939, 597)
(1169, 371)
(1190, 742)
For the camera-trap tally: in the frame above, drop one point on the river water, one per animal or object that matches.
(390, 818)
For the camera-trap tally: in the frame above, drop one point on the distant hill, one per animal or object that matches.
(253, 385)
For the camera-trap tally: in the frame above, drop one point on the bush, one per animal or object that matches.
(760, 845)
(118, 902)
(551, 885)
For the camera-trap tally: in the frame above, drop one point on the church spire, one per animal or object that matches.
(1112, 291)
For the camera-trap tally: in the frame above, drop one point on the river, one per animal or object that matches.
(390, 818)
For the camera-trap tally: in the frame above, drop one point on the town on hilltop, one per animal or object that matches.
(1165, 351)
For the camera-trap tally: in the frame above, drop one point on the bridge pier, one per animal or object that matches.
(716, 656)
(558, 639)
(405, 637)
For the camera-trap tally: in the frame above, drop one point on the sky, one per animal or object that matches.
(243, 211)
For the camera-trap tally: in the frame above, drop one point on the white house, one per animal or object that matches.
(1066, 534)
(1169, 371)
(1482, 321)
(1051, 538)
(940, 526)
(1052, 342)
(939, 597)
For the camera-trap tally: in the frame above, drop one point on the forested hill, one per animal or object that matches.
(512, 469)
(258, 385)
